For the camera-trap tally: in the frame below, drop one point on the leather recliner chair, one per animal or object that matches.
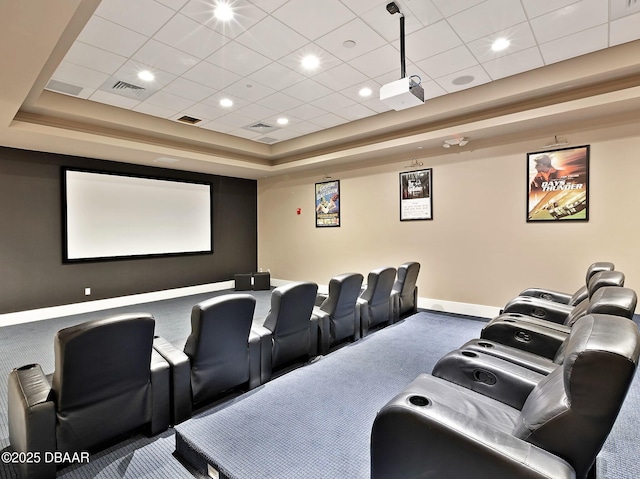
(404, 293)
(290, 331)
(435, 428)
(545, 337)
(220, 354)
(337, 315)
(375, 304)
(107, 382)
(567, 298)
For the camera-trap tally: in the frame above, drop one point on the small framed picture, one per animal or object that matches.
(415, 195)
(328, 204)
(558, 185)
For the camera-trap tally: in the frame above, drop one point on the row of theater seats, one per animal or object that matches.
(532, 398)
(113, 376)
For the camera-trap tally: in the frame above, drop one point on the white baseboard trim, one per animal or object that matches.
(467, 309)
(20, 317)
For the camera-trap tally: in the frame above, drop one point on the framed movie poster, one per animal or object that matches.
(328, 204)
(558, 185)
(415, 195)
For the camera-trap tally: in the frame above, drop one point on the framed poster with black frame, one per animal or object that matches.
(327, 202)
(415, 195)
(558, 185)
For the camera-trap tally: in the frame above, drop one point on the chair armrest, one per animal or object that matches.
(362, 310)
(408, 439)
(524, 334)
(394, 301)
(547, 294)
(265, 339)
(254, 360)
(32, 419)
(324, 330)
(490, 376)
(320, 298)
(525, 359)
(539, 308)
(180, 382)
(160, 394)
(313, 336)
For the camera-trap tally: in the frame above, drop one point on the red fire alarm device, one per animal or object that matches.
(298, 211)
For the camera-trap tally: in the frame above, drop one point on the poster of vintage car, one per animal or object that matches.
(328, 204)
(415, 195)
(558, 185)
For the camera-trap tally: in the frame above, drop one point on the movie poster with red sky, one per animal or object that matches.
(558, 185)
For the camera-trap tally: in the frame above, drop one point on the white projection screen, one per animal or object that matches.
(115, 216)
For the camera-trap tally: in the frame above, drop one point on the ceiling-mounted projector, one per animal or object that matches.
(401, 94)
(406, 92)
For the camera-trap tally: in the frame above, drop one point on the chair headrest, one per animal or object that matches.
(605, 278)
(597, 267)
(613, 300)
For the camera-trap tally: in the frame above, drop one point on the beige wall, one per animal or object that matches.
(478, 249)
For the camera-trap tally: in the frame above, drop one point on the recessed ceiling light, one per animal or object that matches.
(226, 102)
(146, 75)
(366, 91)
(223, 11)
(500, 44)
(283, 121)
(310, 62)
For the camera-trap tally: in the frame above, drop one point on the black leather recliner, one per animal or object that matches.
(337, 315)
(220, 354)
(567, 298)
(404, 293)
(375, 304)
(107, 382)
(290, 331)
(544, 337)
(436, 428)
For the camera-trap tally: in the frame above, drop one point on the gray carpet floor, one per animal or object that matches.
(142, 457)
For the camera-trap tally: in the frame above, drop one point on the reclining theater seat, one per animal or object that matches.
(219, 354)
(107, 382)
(374, 304)
(289, 332)
(337, 316)
(566, 298)
(544, 337)
(405, 292)
(436, 428)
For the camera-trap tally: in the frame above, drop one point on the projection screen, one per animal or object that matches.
(115, 216)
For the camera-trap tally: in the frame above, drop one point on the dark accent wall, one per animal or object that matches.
(32, 274)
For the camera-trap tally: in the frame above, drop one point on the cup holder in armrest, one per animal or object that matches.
(509, 320)
(26, 367)
(419, 401)
(484, 344)
(469, 354)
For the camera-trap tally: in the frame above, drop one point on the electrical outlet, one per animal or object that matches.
(87, 291)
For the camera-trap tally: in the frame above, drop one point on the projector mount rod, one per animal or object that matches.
(393, 8)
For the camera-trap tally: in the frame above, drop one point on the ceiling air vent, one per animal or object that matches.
(267, 139)
(62, 87)
(189, 119)
(260, 127)
(123, 85)
(116, 86)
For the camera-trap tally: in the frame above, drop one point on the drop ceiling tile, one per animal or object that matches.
(129, 73)
(307, 90)
(272, 38)
(432, 89)
(113, 100)
(515, 63)
(246, 15)
(204, 112)
(219, 126)
(306, 112)
(276, 76)
(365, 38)
(280, 102)
(211, 76)
(169, 101)
(583, 15)
(430, 41)
(164, 57)
(304, 127)
(464, 79)
(340, 77)
(448, 62)
(268, 5)
(189, 89)
(247, 90)
(362, 6)
(355, 112)
(313, 18)
(294, 60)
(238, 59)
(142, 16)
(78, 75)
(94, 58)
(257, 112)
(486, 18)
(378, 62)
(329, 120)
(283, 134)
(535, 8)
(353, 92)
(333, 102)
(626, 29)
(520, 36)
(388, 26)
(623, 8)
(235, 120)
(424, 10)
(153, 110)
(189, 36)
(448, 8)
(242, 133)
(108, 36)
(173, 4)
(574, 45)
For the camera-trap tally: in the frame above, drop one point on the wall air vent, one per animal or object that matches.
(260, 127)
(62, 87)
(189, 119)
